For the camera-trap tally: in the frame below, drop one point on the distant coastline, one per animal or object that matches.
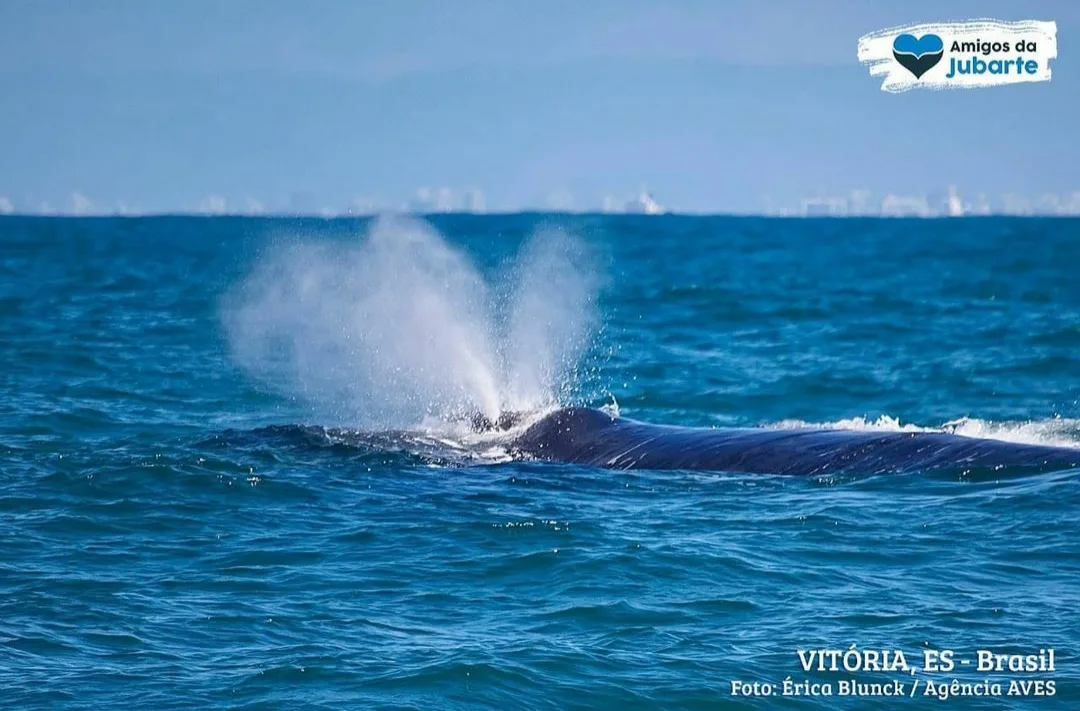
(860, 203)
(284, 215)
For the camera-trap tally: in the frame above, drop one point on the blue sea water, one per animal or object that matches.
(185, 521)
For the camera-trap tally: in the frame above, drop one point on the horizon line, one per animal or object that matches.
(511, 213)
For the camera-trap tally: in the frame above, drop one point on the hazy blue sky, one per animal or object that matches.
(712, 104)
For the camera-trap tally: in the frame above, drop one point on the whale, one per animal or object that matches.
(595, 438)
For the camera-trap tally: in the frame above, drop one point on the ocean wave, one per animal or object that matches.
(1055, 431)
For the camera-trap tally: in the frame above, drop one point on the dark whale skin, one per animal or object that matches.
(594, 438)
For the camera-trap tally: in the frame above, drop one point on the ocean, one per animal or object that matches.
(236, 469)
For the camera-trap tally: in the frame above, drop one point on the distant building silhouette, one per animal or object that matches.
(644, 204)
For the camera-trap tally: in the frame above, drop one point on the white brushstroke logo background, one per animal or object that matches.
(876, 50)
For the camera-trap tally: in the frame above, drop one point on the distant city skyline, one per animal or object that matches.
(947, 202)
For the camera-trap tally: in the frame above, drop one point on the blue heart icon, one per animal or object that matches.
(918, 54)
(909, 44)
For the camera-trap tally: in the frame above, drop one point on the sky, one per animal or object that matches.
(252, 105)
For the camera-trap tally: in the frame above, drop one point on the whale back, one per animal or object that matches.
(594, 438)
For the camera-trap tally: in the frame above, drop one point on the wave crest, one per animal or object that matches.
(1056, 431)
